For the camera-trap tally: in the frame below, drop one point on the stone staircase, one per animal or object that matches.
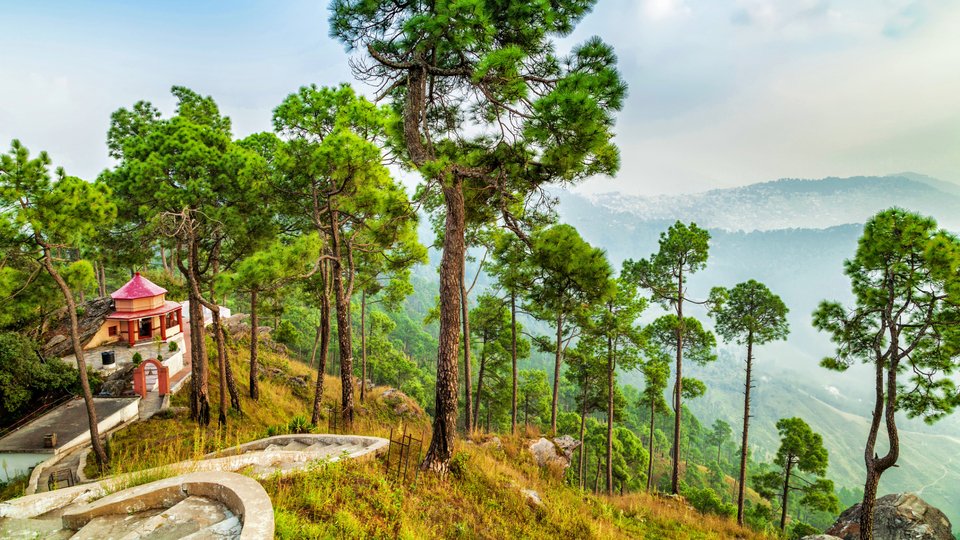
(287, 453)
(195, 505)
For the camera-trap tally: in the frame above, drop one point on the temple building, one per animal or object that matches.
(141, 312)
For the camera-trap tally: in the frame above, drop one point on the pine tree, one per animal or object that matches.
(540, 118)
(750, 315)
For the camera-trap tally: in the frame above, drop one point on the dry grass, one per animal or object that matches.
(171, 436)
(481, 498)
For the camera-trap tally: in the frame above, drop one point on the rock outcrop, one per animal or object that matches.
(91, 316)
(898, 516)
(119, 383)
(557, 452)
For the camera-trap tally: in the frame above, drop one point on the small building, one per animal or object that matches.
(141, 312)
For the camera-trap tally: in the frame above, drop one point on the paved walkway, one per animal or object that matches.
(68, 421)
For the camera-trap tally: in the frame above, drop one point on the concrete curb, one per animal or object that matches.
(244, 496)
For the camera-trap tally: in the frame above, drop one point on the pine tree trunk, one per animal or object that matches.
(101, 280)
(98, 450)
(323, 333)
(677, 392)
(200, 374)
(583, 429)
(556, 376)
(742, 480)
(886, 407)
(254, 347)
(451, 272)
(344, 338)
(467, 365)
(221, 365)
(513, 357)
(228, 371)
(596, 479)
(611, 366)
(786, 492)
(483, 365)
(163, 260)
(868, 506)
(653, 407)
(363, 345)
(316, 343)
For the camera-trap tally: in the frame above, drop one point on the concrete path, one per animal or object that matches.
(153, 403)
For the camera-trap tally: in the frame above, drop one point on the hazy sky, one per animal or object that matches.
(722, 92)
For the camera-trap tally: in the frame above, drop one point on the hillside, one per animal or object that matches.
(794, 203)
(482, 497)
(802, 230)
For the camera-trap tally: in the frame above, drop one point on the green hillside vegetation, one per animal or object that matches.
(481, 497)
(521, 324)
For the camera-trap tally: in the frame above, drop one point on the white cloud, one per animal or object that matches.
(659, 10)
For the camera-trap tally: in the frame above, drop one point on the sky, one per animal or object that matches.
(721, 92)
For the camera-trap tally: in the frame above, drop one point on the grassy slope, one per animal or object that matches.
(482, 499)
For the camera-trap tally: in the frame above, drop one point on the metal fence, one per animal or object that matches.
(401, 456)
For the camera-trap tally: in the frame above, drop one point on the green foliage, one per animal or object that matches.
(300, 424)
(172, 347)
(801, 452)
(707, 501)
(459, 465)
(286, 333)
(533, 396)
(719, 433)
(137, 358)
(698, 342)
(683, 251)
(26, 379)
(568, 273)
(800, 530)
(749, 312)
(903, 265)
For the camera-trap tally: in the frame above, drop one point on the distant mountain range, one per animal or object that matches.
(792, 235)
(795, 203)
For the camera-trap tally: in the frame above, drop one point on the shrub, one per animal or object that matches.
(458, 465)
(299, 424)
(286, 333)
(173, 346)
(137, 358)
(800, 529)
(707, 501)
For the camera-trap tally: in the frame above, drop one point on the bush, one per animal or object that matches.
(707, 501)
(458, 465)
(800, 529)
(286, 333)
(137, 358)
(299, 424)
(173, 346)
(25, 378)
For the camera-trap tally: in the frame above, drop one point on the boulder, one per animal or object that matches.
(119, 383)
(401, 404)
(567, 445)
(558, 451)
(90, 316)
(533, 498)
(898, 516)
(493, 442)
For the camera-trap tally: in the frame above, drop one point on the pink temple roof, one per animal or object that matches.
(138, 287)
(167, 307)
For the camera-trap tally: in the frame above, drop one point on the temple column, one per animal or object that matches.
(163, 327)
(132, 331)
